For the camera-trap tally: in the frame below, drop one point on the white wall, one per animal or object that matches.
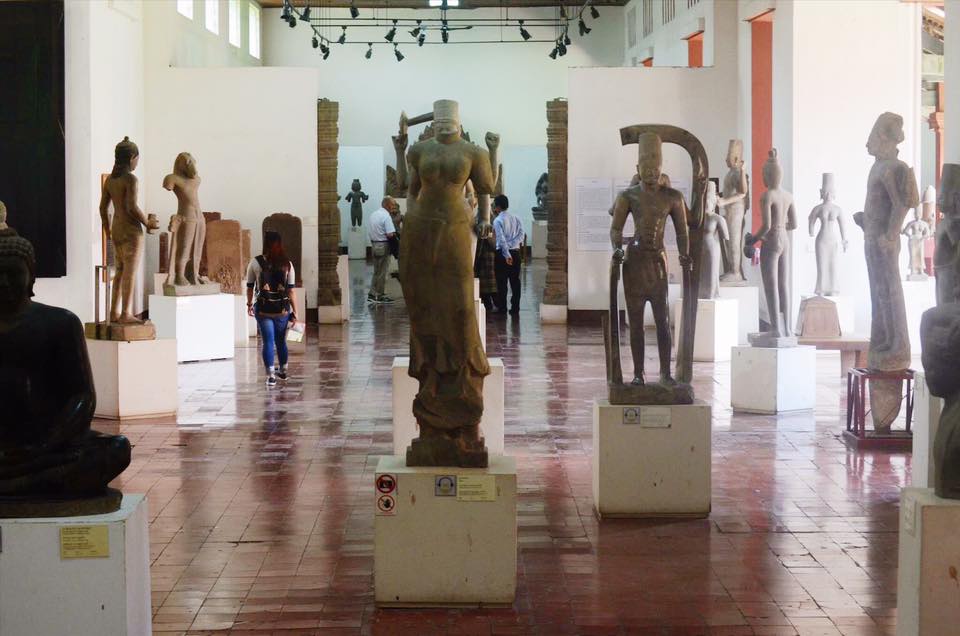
(174, 40)
(666, 42)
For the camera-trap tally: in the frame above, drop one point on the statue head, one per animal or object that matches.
(185, 166)
(940, 340)
(446, 118)
(650, 158)
(17, 271)
(711, 198)
(125, 157)
(3, 216)
(355, 186)
(735, 153)
(949, 197)
(828, 191)
(886, 134)
(772, 172)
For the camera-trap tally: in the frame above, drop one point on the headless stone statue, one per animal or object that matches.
(946, 256)
(188, 232)
(356, 198)
(715, 232)
(51, 462)
(917, 232)
(734, 206)
(829, 240)
(778, 219)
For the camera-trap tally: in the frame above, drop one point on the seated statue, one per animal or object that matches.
(51, 462)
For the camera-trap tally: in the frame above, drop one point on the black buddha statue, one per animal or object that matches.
(51, 462)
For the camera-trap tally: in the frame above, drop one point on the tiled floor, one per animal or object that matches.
(261, 513)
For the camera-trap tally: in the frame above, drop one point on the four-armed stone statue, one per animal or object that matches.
(356, 198)
(829, 240)
(715, 232)
(446, 354)
(734, 205)
(188, 231)
(645, 267)
(51, 463)
(891, 192)
(917, 232)
(778, 219)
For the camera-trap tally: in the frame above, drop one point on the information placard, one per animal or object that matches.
(84, 542)
(476, 488)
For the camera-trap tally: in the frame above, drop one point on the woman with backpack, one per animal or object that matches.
(271, 279)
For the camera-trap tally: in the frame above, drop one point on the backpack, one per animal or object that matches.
(272, 296)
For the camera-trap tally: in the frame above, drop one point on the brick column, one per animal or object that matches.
(555, 292)
(328, 250)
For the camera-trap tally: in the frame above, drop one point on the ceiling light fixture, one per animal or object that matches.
(594, 13)
(305, 16)
(524, 33)
(392, 33)
(369, 52)
(315, 42)
(354, 11)
(397, 53)
(422, 38)
(416, 31)
(584, 29)
(343, 36)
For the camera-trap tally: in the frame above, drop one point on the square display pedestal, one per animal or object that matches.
(926, 421)
(357, 242)
(336, 314)
(134, 379)
(202, 325)
(45, 591)
(927, 599)
(481, 312)
(242, 322)
(553, 314)
(405, 389)
(717, 328)
(445, 536)
(539, 239)
(651, 461)
(748, 308)
(822, 316)
(918, 296)
(767, 380)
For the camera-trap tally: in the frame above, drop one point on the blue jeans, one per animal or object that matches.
(273, 331)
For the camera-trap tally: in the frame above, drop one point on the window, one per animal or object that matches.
(211, 17)
(254, 21)
(647, 23)
(185, 8)
(668, 10)
(632, 28)
(692, 3)
(233, 22)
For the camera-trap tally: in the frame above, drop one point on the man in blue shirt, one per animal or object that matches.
(509, 233)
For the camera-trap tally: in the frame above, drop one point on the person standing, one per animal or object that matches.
(381, 230)
(509, 233)
(484, 268)
(272, 279)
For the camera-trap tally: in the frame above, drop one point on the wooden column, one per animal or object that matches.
(555, 292)
(328, 250)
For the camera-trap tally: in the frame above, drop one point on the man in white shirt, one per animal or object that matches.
(380, 230)
(510, 235)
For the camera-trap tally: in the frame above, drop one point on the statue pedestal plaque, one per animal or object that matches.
(83, 576)
(134, 379)
(826, 316)
(539, 239)
(918, 296)
(926, 421)
(651, 461)
(773, 380)
(748, 311)
(357, 242)
(202, 325)
(553, 314)
(405, 389)
(927, 599)
(445, 536)
(717, 328)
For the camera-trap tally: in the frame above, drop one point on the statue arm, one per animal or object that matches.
(170, 181)
(400, 146)
(842, 224)
(812, 221)
(678, 212)
(621, 208)
(481, 174)
(104, 210)
(722, 229)
(131, 202)
(791, 216)
(414, 189)
(74, 415)
(363, 197)
(764, 221)
(901, 187)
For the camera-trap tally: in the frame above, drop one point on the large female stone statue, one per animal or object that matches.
(735, 204)
(51, 463)
(436, 273)
(828, 241)
(188, 231)
(715, 232)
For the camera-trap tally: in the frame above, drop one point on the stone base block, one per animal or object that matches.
(539, 246)
(748, 309)
(717, 328)
(918, 296)
(405, 389)
(768, 340)
(203, 326)
(120, 332)
(651, 461)
(357, 243)
(205, 289)
(929, 558)
(826, 316)
(445, 537)
(553, 314)
(83, 576)
(926, 421)
(767, 380)
(134, 379)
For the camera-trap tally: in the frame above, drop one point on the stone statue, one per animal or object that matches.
(940, 346)
(828, 241)
(120, 190)
(946, 256)
(891, 192)
(51, 463)
(356, 198)
(540, 212)
(3, 217)
(917, 232)
(446, 354)
(778, 219)
(645, 267)
(188, 232)
(714, 233)
(734, 205)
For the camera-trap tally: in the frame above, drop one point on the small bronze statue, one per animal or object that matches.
(51, 462)
(356, 198)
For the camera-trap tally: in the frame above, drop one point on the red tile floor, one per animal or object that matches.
(262, 520)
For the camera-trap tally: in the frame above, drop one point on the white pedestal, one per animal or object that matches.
(42, 593)
(748, 311)
(158, 281)
(918, 296)
(539, 239)
(846, 312)
(481, 312)
(926, 420)
(553, 314)
(134, 379)
(717, 328)
(337, 314)
(767, 380)
(437, 548)
(405, 389)
(651, 461)
(357, 242)
(929, 558)
(202, 325)
(241, 322)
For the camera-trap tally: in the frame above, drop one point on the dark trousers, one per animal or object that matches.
(508, 273)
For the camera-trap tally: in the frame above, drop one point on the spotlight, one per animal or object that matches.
(523, 32)
(561, 48)
(566, 39)
(369, 52)
(594, 13)
(416, 31)
(397, 54)
(354, 11)
(315, 42)
(422, 38)
(445, 35)
(285, 15)
(584, 29)
(305, 16)
(325, 50)
(553, 53)
(392, 33)
(343, 36)
(563, 12)
(292, 22)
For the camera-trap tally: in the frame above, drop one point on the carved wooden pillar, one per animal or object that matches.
(555, 292)
(328, 250)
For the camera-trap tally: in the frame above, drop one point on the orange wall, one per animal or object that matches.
(761, 31)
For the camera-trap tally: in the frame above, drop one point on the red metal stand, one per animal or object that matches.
(857, 434)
